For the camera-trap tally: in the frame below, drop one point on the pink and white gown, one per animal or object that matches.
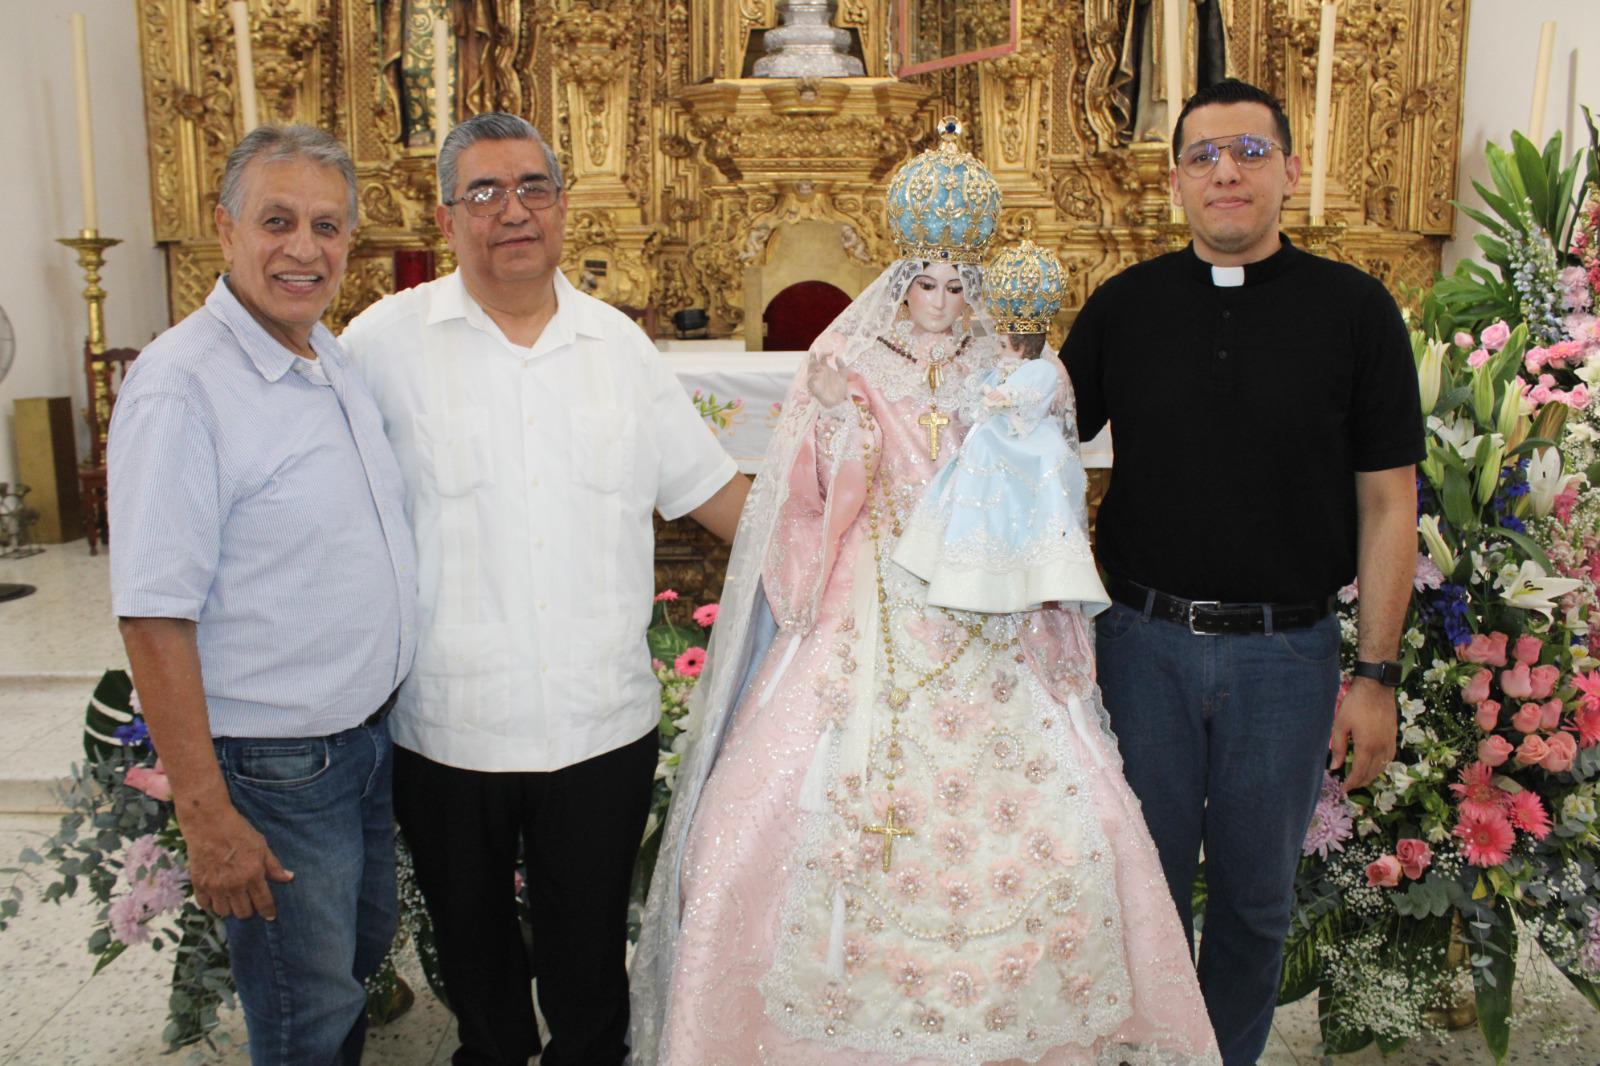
(1022, 916)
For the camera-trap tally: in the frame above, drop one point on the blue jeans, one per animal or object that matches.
(324, 805)
(1224, 740)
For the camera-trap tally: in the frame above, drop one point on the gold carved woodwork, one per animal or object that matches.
(681, 172)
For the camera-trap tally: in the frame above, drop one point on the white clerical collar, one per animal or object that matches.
(1227, 277)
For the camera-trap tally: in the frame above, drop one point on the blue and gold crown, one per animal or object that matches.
(944, 204)
(1022, 286)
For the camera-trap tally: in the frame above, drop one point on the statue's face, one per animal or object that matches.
(936, 298)
(1232, 211)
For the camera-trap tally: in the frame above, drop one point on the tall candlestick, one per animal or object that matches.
(239, 11)
(1541, 83)
(80, 70)
(1322, 116)
(441, 80)
(1172, 69)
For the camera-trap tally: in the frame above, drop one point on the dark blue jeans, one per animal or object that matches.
(1224, 739)
(324, 805)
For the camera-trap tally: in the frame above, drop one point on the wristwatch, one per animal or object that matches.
(1386, 672)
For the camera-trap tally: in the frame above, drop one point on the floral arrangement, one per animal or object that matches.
(678, 654)
(1484, 831)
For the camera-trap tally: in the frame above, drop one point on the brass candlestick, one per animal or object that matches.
(91, 248)
(1316, 239)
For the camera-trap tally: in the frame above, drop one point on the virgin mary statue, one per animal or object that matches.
(901, 833)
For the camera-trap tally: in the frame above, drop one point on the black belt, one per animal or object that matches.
(382, 712)
(1213, 617)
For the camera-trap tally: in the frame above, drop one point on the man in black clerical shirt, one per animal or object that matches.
(1266, 426)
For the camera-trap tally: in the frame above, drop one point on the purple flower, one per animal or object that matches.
(1332, 821)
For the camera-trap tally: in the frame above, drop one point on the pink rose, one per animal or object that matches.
(1486, 648)
(1516, 683)
(1385, 873)
(1532, 751)
(1579, 397)
(1535, 360)
(1414, 856)
(1477, 689)
(1527, 649)
(1494, 338)
(1550, 716)
(1542, 680)
(1488, 715)
(1462, 339)
(1494, 751)
(1526, 720)
(1477, 359)
(151, 780)
(1560, 750)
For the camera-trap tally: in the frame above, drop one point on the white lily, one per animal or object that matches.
(1545, 480)
(1458, 434)
(1438, 550)
(1589, 372)
(1430, 368)
(1534, 590)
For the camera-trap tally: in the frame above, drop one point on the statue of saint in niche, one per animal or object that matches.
(1139, 87)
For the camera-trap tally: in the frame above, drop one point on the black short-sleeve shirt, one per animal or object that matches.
(1240, 417)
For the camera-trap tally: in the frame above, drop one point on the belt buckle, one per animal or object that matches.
(1189, 615)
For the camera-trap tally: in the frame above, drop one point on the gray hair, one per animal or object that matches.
(280, 144)
(490, 126)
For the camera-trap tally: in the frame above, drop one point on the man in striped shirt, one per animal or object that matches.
(265, 578)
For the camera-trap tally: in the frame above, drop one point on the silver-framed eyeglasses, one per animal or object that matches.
(1249, 153)
(488, 200)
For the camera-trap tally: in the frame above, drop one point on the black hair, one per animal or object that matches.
(1233, 91)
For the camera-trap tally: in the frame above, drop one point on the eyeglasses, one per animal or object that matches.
(1249, 153)
(488, 200)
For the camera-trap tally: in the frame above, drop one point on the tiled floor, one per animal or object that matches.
(54, 646)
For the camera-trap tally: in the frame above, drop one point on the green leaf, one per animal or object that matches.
(109, 955)
(1528, 546)
(1493, 983)
(1586, 988)
(667, 642)
(1457, 498)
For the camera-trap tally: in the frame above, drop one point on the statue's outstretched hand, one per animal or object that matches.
(825, 380)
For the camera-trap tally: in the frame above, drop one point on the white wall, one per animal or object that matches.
(40, 281)
(1502, 51)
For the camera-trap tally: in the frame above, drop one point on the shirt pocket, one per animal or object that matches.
(455, 451)
(602, 448)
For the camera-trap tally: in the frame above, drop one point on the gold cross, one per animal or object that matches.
(888, 831)
(933, 421)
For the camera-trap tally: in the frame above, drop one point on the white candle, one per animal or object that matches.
(1541, 83)
(240, 13)
(1322, 116)
(441, 80)
(80, 70)
(1172, 69)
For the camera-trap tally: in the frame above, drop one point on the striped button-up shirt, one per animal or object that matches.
(263, 503)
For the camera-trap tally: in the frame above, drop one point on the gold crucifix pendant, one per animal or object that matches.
(888, 830)
(933, 421)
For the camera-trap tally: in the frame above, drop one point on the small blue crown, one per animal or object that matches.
(1022, 286)
(944, 204)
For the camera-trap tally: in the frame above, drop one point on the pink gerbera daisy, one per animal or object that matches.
(1477, 793)
(706, 615)
(1528, 814)
(690, 662)
(666, 596)
(1485, 838)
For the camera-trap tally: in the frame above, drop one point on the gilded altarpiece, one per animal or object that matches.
(683, 173)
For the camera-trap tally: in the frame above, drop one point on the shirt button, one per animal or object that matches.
(1223, 354)
(541, 605)
(533, 482)
(530, 420)
(1227, 314)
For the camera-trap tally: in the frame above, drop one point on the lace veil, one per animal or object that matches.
(748, 623)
